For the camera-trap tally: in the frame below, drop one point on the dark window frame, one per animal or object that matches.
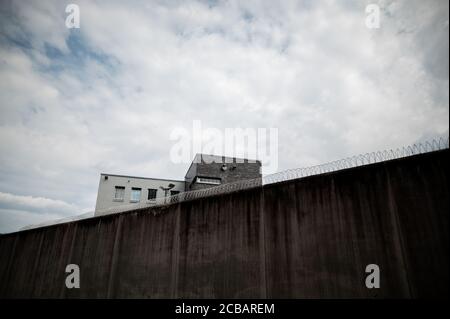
(153, 191)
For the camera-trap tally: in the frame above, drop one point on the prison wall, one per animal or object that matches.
(305, 238)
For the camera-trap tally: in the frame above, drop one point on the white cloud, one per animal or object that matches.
(19, 211)
(104, 98)
(37, 204)
(13, 220)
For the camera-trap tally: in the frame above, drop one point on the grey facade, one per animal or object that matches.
(205, 171)
(110, 193)
(210, 170)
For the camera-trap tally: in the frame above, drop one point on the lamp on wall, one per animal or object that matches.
(167, 189)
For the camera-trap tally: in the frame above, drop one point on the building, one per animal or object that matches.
(205, 171)
(210, 170)
(119, 190)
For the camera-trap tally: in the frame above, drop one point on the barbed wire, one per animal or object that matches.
(349, 162)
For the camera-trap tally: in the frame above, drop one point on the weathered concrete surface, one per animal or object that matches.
(306, 238)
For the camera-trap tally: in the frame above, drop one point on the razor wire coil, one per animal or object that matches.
(345, 163)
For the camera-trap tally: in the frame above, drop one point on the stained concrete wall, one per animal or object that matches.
(305, 238)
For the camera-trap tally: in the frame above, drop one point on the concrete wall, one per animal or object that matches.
(106, 189)
(305, 238)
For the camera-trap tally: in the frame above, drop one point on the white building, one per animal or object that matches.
(119, 190)
(205, 171)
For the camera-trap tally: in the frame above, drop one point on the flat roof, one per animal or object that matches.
(138, 177)
(202, 155)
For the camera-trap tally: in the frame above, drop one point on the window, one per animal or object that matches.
(174, 193)
(119, 193)
(135, 194)
(206, 180)
(152, 194)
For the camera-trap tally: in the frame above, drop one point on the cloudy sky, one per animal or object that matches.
(105, 97)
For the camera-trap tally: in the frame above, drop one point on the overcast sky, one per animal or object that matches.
(105, 97)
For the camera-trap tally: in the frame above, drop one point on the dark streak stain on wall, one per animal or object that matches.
(304, 238)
